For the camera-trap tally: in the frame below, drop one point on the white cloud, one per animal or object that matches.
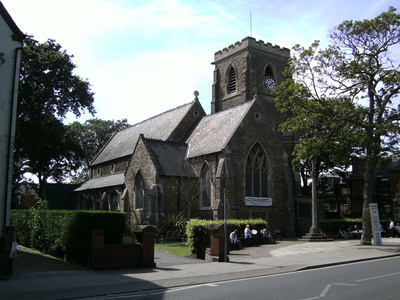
(143, 57)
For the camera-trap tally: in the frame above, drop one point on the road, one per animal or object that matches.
(377, 279)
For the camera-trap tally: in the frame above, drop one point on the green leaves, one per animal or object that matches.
(343, 101)
(91, 137)
(48, 90)
(48, 84)
(341, 98)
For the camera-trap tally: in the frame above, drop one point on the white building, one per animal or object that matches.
(11, 38)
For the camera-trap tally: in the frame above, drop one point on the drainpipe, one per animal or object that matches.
(11, 137)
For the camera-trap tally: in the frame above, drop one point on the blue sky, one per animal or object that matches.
(143, 57)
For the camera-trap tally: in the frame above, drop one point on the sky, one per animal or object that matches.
(144, 57)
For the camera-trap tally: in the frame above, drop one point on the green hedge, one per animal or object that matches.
(333, 226)
(198, 234)
(65, 233)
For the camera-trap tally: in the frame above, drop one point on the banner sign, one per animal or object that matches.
(258, 201)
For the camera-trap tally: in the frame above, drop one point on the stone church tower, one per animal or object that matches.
(257, 158)
(244, 70)
(184, 161)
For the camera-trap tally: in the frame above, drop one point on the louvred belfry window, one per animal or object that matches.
(232, 81)
(268, 72)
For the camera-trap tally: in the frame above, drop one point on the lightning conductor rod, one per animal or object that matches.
(251, 25)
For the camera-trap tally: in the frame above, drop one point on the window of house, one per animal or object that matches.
(139, 191)
(232, 81)
(256, 173)
(205, 187)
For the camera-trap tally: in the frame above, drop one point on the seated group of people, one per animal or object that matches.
(394, 230)
(251, 235)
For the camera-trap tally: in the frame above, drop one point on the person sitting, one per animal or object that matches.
(267, 236)
(397, 227)
(392, 229)
(248, 235)
(235, 242)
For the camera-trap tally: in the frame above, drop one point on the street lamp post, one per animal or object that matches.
(225, 227)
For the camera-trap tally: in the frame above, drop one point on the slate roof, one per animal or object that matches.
(211, 135)
(159, 127)
(169, 158)
(214, 131)
(101, 182)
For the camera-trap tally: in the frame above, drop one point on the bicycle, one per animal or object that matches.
(342, 234)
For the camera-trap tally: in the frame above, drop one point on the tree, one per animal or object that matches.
(48, 90)
(324, 141)
(356, 71)
(91, 137)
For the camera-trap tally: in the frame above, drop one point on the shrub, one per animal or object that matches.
(198, 233)
(173, 226)
(333, 226)
(64, 233)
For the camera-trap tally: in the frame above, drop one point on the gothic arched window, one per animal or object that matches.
(139, 191)
(256, 173)
(113, 200)
(232, 80)
(97, 202)
(205, 187)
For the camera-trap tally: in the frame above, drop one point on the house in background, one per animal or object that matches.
(11, 38)
(346, 198)
(184, 161)
(59, 196)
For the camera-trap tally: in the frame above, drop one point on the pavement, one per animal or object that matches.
(38, 276)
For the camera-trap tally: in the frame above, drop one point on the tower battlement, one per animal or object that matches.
(252, 43)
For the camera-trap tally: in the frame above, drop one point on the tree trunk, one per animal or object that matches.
(369, 180)
(42, 188)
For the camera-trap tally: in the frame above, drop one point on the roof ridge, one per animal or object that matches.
(163, 113)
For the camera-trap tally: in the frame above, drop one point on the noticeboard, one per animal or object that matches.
(375, 223)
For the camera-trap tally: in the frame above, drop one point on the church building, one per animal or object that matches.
(185, 161)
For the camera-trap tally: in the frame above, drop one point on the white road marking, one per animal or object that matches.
(376, 277)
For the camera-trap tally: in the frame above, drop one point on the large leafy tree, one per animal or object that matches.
(48, 90)
(319, 120)
(357, 68)
(91, 137)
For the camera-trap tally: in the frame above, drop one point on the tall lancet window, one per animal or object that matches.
(256, 173)
(139, 191)
(232, 80)
(205, 186)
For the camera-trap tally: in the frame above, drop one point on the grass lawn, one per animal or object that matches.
(176, 249)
